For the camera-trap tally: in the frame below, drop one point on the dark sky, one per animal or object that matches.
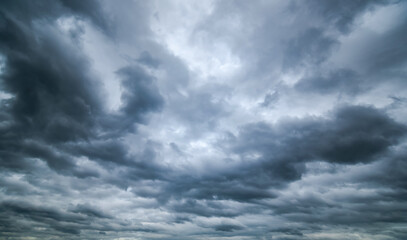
(180, 119)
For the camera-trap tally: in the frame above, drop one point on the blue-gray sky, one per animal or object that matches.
(179, 119)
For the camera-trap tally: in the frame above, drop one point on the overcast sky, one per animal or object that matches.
(191, 119)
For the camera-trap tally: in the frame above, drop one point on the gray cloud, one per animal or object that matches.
(341, 81)
(339, 14)
(311, 46)
(227, 228)
(141, 96)
(231, 119)
(347, 138)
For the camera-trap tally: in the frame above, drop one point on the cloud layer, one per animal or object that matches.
(203, 120)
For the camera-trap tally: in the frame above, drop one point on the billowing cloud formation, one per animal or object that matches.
(203, 120)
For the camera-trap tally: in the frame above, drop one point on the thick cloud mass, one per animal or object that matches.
(203, 119)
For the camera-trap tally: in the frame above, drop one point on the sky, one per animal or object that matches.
(215, 119)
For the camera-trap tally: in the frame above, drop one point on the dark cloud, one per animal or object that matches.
(108, 150)
(341, 14)
(341, 81)
(63, 222)
(54, 99)
(56, 113)
(227, 227)
(89, 9)
(188, 150)
(50, 10)
(288, 231)
(389, 173)
(141, 95)
(90, 211)
(385, 57)
(377, 200)
(354, 134)
(146, 59)
(376, 135)
(44, 99)
(66, 224)
(312, 47)
(206, 209)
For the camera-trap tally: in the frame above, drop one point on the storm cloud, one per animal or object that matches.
(203, 119)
